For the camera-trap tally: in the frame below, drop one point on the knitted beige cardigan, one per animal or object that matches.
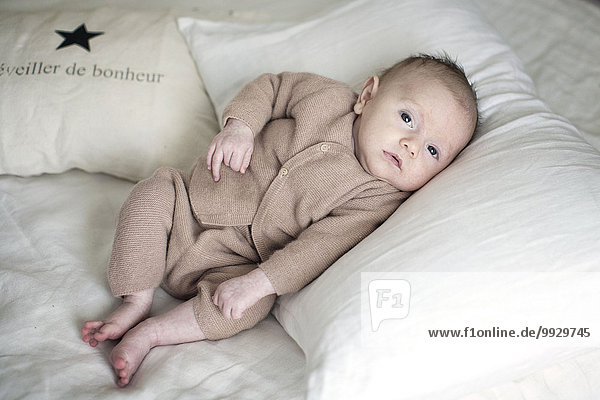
(305, 195)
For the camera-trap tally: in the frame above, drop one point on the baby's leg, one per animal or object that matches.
(174, 327)
(196, 319)
(135, 308)
(137, 262)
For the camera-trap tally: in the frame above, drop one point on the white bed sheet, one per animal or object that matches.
(57, 230)
(54, 246)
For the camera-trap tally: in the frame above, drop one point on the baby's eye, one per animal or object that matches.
(406, 118)
(433, 151)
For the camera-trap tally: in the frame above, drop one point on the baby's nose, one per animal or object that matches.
(411, 147)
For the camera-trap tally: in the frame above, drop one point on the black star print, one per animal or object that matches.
(80, 36)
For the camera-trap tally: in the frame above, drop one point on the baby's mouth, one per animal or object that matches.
(394, 159)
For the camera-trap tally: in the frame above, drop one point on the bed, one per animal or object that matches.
(508, 237)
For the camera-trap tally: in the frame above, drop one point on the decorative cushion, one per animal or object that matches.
(105, 90)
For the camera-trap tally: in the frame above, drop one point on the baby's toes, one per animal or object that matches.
(86, 335)
(122, 369)
(88, 330)
(108, 331)
(88, 327)
(122, 382)
(92, 325)
(120, 364)
(89, 338)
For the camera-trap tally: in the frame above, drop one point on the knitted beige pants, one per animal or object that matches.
(159, 242)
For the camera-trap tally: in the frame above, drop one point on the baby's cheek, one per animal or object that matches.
(418, 178)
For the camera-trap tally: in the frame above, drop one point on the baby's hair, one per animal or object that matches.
(448, 71)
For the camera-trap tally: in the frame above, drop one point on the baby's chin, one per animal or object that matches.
(402, 183)
(402, 186)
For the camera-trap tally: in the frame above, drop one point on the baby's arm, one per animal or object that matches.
(292, 267)
(268, 97)
(233, 146)
(317, 247)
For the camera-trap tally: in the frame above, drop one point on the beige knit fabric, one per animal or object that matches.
(303, 202)
(159, 242)
(305, 195)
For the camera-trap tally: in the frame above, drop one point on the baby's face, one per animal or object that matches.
(409, 129)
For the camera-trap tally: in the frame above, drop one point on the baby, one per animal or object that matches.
(312, 168)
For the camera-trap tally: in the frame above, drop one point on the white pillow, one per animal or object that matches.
(522, 197)
(131, 103)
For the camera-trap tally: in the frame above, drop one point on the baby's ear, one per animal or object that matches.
(366, 94)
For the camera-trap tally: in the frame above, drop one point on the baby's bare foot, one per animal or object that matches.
(127, 356)
(174, 327)
(135, 307)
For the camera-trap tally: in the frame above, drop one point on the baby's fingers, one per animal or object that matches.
(227, 157)
(216, 161)
(209, 155)
(211, 161)
(246, 160)
(239, 161)
(220, 300)
(237, 312)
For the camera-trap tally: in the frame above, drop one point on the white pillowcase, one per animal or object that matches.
(131, 103)
(522, 197)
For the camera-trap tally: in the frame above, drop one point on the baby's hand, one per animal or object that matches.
(233, 146)
(236, 295)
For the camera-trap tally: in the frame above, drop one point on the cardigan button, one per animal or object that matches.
(324, 147)
(283, 171)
